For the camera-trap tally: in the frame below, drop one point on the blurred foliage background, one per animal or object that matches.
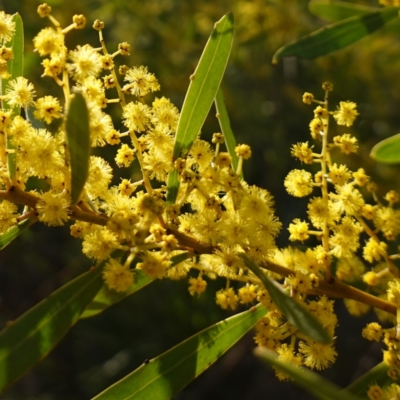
(266, 110)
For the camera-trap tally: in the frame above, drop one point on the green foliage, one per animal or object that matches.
(165, 375)
(337, 36)
(204, 84)
(334, 11)
(7, 237)
(32, 336)
(388, 150)
(78, 144)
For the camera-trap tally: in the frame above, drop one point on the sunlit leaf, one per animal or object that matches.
(173, 186)
(32, 336)
(78, 142)
(224, 123)
(334, 11)
(202, 90)
(388, 150)
(166, 375)
(296, 314)
(310, 381)
(7, 237)
(15, 67)
(336, 36)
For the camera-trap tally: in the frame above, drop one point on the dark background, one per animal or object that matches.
(266, 110)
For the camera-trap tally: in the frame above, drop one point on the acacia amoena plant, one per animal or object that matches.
(191, 216)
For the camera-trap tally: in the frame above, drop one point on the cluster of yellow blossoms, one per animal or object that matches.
(217, 215)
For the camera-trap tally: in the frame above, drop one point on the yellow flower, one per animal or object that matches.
(137, 116)
(47, 108)
(140, 81)
(20, 92)
(7, 27)
(48, 41)
(299, 183)
(298, 230)
(86, 61)
(317, 355)
(197, 285)
(8, 215)
(52, 208)
(117, 277)
(303, 152)
(226, 298)
(125, 156)
(346, 114)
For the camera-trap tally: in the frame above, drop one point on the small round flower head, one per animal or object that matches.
(44, 10)
(126, 187)
(308, 98)
(86, 61)
(328, 86)
(124, 48)
(370, 278)
(374, 250)
(79, 21)
(248, 294)
(360, 177)
(347, 143)
(197, 285)
(375, 392)
(392, 196)
(316, 128)
(154, 265)
(117, 277)
(20, 92)
(321, 113)
(223, 159)
(299, 183)
(339, 175)
(373, 331)
(47, 108)
(227, 298)
(217, 138)
(298, 230)
(107, 61)
(48, 41)
(98, 25)
(7, 27)
(8, 214)
(243, 150)
(303, 152)
(140, 81)
(317, 355)
(125, 156)
(6, 53)
(137, 116)
(346, 114)
(52, 209)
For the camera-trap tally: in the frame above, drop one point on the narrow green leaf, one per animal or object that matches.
(377, 374)
(167, 374)
(388, 150)
(202, 90)
(296, 314)
(32, 336)
(78, 142)
(336, 36)
(173, 187)
(224, 123)
(334, 11)
(15, 67)
(310, 381)
(7, 237)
